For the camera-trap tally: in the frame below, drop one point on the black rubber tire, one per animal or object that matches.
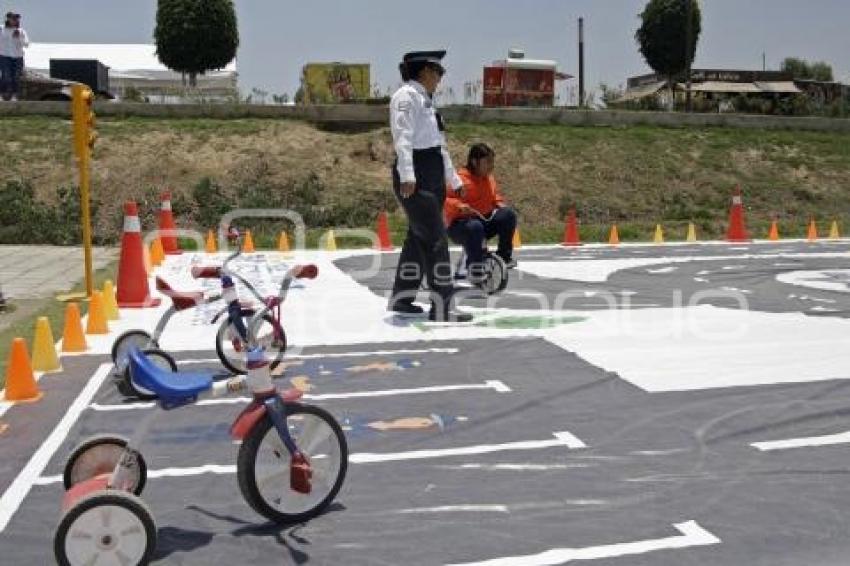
(497, 275)
(125, 384)
(126, 336)
(95, 441)
(113, 498)
(247, 457)
(275, 353)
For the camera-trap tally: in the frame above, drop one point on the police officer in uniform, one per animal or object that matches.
(421, 172)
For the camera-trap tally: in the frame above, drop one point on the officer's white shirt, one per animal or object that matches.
(413, 120)
(11, 46)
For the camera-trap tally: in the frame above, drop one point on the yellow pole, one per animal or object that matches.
(83, 121)
(85, 182)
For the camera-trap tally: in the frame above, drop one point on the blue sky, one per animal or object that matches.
(279, 36)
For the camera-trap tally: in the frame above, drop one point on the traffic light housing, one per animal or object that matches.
(84, 121)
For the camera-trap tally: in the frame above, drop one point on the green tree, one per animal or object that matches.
(196, 36)
(667, 40)
(802, 69)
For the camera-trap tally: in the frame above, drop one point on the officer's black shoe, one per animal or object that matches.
(449, 316)
(406, 308)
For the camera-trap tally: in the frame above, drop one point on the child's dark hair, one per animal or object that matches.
(476, 152)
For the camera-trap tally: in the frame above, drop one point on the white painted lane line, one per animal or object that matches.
(342, 355)
(454, 509)
(20, 487)
(497, 386)
(561, 439)
(520, 467)
(830, 440)
(692, 534)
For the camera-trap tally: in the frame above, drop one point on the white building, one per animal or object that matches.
(136, 67)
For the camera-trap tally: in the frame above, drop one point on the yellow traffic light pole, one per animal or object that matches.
(84, 138)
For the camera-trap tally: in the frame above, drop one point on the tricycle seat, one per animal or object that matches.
(171, 387)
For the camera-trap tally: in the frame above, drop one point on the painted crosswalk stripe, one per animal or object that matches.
(692, 534)
(829, 440)
(491, 385)
(562, 439)
(410, 352)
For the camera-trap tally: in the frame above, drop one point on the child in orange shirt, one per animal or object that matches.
(480, 197)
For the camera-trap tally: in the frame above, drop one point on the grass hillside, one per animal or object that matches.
(636, 176)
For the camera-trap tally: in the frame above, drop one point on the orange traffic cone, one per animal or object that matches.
(614, 236)
(737, 228)
(248, 244)
(385, 243)
(516, 243)
(110, 304)
(133, 290)
(773, 235)
(157, 252)
(813, 231)
(283, 242)
(211, 246)
(167, 228)
(571, 236)
(20, 380)
(834, 231)
(73, 339)
(44, 356)
(97, 323)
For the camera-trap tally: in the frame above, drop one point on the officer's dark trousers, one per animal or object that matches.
(426, 249)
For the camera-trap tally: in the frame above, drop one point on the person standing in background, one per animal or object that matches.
(13, 41)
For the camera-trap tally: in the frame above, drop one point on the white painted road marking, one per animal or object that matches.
(342, 355)
(20, 487)
(455, 509)
(691, 535)
(493, 385)
(561, 439)
(830, 440)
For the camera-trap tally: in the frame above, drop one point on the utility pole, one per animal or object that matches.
(581, 62)
(764, 61)
(688, 33)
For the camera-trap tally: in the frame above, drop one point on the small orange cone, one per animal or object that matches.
(157, 252)
(329, 241)
(517, 239)
(773, 235)
(167, 228)
(73, 339)
(211, 246)
(110, 303)
(20, 381)
(614, 236)
(97, 315)
(737, 226)
(834, 232)
(692, 233)
(44, 356)
(813, 231)
(659, 234)
(248, 244)
(571, 236)
(385, 243)
(283, 242)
